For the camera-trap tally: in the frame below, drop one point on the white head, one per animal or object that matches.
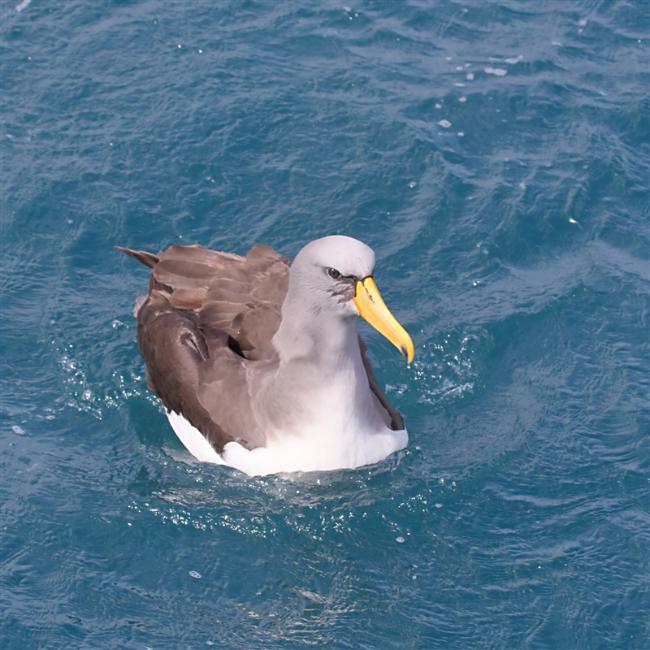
(326, 271)
(331, 278)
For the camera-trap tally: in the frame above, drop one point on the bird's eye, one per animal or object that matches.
(333, 273)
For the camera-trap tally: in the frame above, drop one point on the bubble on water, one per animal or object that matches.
(412, 184)
(400, 540)
(512, 60)
(194, 574)
(497, 72)
(583, 22)
(18, 430)
(469, 76)
(445, 368)
(67, 363)
(445, 124)
(399, 389)
(438, 106)
(462, 99)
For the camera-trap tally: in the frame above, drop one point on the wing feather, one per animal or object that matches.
(209, 314)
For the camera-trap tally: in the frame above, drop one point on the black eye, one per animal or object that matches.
(333, 273)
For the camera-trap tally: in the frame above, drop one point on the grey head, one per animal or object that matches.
(326, 271)
(331, 279)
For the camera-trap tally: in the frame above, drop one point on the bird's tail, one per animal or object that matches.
(148, 259)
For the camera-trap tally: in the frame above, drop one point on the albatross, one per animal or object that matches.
(258, 361)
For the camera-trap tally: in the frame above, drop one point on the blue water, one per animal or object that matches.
(496, 155)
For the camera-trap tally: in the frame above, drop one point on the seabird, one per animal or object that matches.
(258, 360)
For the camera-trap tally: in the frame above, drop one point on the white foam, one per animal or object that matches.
(21, 6)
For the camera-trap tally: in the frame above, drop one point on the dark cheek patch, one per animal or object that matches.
(342, 294)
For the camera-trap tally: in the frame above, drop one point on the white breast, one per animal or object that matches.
(295, 453)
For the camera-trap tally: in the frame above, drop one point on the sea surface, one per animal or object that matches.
(496, 155)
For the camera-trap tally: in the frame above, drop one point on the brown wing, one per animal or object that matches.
(393, 417)
(207, 318)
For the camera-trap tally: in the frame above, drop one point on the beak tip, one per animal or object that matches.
(409, 355)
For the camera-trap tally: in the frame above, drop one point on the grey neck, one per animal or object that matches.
(320, 383)
(322, 337)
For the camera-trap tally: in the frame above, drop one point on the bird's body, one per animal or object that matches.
(258, 361)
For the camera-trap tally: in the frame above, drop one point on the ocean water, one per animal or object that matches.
(496, 155)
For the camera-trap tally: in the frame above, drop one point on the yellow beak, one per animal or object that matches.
(373, 309)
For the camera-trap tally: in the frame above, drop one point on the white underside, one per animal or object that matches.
(293, 453)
